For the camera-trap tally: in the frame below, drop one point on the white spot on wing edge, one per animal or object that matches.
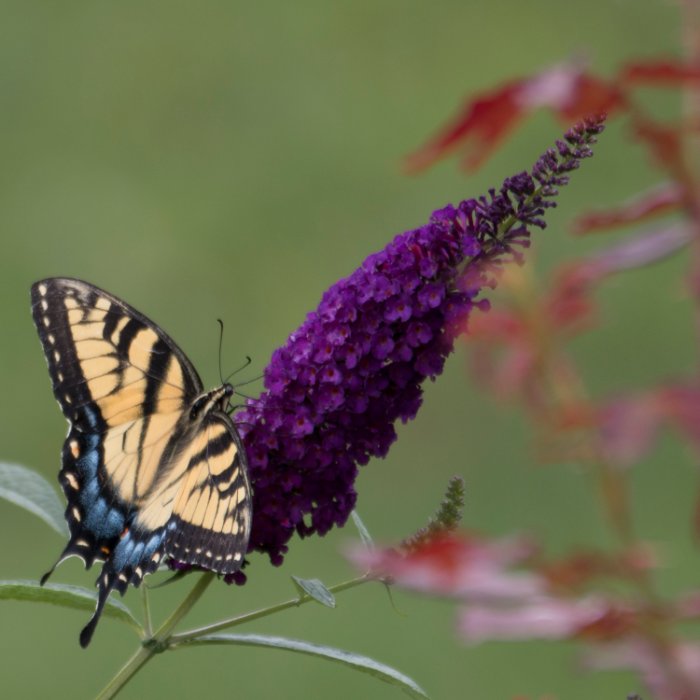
(42, 290)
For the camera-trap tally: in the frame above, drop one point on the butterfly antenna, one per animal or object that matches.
(248, 360)
(250, 381)
(221, 343)
(242, 395)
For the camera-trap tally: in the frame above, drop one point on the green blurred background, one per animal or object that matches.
(231, 159)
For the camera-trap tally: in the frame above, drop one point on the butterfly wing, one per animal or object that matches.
(124, 387)
(200, 506)
(212, 511)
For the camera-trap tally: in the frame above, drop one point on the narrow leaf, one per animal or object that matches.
(316, 589)
(67, 597)
(362, 530)
(355, 661)
(31, 491)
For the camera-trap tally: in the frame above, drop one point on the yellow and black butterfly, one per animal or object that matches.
(152, 465)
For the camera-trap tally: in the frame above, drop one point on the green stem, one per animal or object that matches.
(157, 643)
(187, 636)
(147, 622)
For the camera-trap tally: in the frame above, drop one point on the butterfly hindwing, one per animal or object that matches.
(135, 458)
(211, 518)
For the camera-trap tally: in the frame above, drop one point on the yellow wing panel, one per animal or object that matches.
(205, 498)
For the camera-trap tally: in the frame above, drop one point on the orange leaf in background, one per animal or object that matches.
(658, 200)
(615, 623)
(666, 144)
(663, 73)
(487, 118)
(481, 125)
(591, 95)
(579, 569)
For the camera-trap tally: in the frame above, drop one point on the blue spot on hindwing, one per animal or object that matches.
(95, 515)
(131, 552)
(122, 553)
(153, 544)
(103, 521)
(114, 522)
(104, 515)
(91, 416)
(89, 460)
(89, 492)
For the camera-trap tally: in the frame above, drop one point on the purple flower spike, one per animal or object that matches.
(335, 390)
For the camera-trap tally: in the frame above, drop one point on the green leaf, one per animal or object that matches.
(67, 597)
(347, 658)
(362, 530)
(316, 589)
(29, 490)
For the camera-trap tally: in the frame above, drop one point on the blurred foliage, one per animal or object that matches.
(223, 159)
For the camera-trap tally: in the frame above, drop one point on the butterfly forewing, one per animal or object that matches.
(102, 351)
(134, 461)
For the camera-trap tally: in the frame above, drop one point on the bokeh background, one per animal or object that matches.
(233, 159)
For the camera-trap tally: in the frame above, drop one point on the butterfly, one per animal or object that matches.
(152, 465)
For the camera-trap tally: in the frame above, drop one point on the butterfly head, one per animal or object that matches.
(216, 399)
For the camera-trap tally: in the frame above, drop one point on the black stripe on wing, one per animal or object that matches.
(91, 338)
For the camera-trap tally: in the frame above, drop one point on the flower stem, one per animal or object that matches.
(187, 636)
(157, 643)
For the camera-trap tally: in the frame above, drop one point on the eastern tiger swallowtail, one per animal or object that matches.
(152, 464)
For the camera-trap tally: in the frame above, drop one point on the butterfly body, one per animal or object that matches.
(152, 465)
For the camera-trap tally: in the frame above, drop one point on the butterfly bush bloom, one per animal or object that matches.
(335, 390)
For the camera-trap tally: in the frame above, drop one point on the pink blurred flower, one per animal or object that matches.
(457, 566)
(670, 675)
(542, 618)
